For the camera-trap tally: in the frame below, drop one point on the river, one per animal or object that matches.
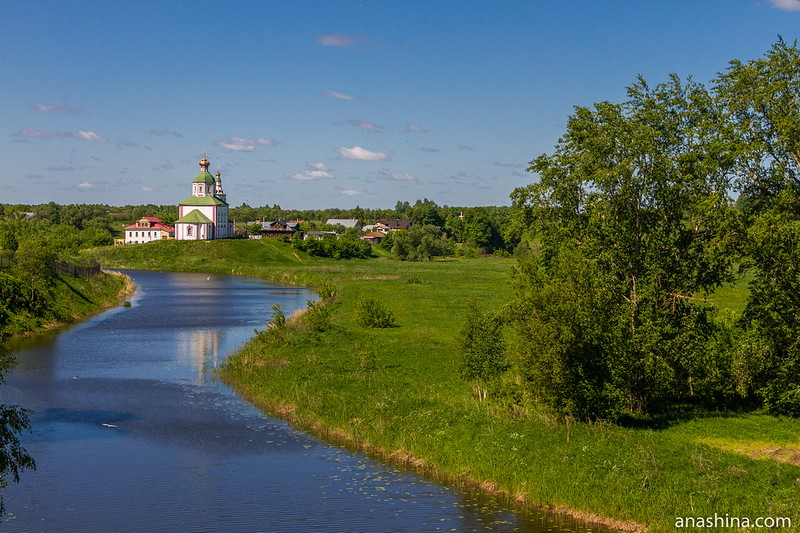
(132, 431)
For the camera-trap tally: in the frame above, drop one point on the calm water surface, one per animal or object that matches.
(133, 432)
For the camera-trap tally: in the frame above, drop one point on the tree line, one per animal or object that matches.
(632, 226)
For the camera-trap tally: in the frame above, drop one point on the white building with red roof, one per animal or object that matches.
(147, 229)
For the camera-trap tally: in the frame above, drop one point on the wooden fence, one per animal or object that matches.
(80, 271)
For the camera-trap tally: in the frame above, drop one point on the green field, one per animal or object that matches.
(396, 393)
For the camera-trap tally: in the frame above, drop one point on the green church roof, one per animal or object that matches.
(194, 217)
(204, 176)
(203, 200)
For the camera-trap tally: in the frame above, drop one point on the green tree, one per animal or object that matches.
(760, 101)
(34, 265)
(420, 243)
(482, 349)
(630, 214)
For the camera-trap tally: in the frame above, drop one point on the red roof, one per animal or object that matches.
(159, 225)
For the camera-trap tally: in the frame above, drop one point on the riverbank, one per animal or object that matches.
(396, 393)
(70, 300)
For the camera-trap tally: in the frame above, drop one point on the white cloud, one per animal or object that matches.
(314, 171)
(361, 154)
(148, 189)
(339, 40)
(241, 144)
(85, 185)
(351, 192)
(340, 96)
(55, 108)
(415, 128)
(402, 176)
(786, 5)
(481, 185)
(88, 136)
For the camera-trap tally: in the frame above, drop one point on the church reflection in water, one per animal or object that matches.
(199, 349)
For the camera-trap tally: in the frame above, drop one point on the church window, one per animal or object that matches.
(189, 231)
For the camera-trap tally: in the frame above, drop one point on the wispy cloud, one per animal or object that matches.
(402, 176)
(428, 149)
(786, 5)
(31, 133)
(366, 126)
(504, 163)
(241, 144)
(361, 154)
(340, 40)
(39, 134)
(86, 185)
(340, 96)
(415, 128)
(157, 131)
(351, 192)
(313, 171)
(481, 185)
(56, 108)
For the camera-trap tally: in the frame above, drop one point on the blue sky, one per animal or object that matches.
(314, 104)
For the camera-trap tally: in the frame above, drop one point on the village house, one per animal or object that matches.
(374, 236)
(385, 226)
(147, 229)
(344, 222)
(278, 228)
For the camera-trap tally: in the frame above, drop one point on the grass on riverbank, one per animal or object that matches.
(396, 392)
(69, 299)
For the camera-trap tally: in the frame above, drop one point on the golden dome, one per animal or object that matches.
(204, 164)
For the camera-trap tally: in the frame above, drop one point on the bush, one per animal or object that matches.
(318, 315)
(371, 313)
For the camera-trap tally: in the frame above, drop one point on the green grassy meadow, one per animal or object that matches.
(396, 393)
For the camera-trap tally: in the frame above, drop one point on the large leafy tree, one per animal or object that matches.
(629, 216)
(761, 102)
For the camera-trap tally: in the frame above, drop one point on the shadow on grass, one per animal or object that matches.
(72, 289)
(684, 413)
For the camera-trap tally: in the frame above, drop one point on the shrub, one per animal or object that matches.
(327, 291)
(318, 315)
(278, 318)
(371, 313)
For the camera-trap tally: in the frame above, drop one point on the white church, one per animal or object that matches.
(204, 215)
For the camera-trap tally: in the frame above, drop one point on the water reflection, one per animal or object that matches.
(199, 350)
(132, 432)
